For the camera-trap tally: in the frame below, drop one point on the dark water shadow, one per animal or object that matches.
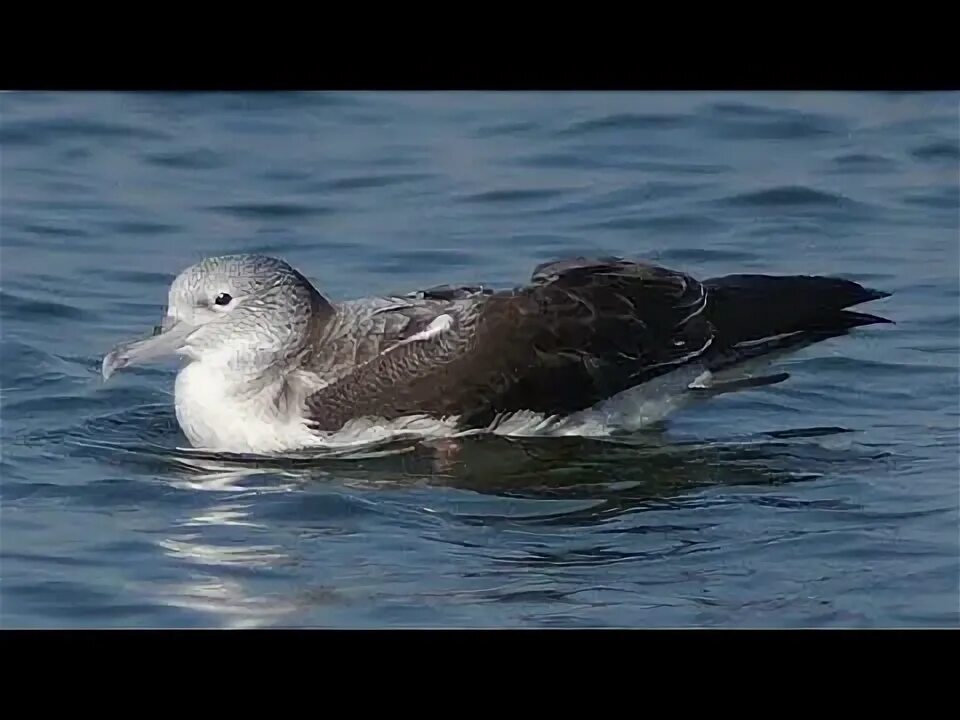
(603, 477)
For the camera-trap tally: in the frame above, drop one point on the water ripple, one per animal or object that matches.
(272, 211)
(579, 161)
(945, 198)
(626, 121)
(508, 129)
(514, 196)
(789, 196)
(830, 499)
(751, 122)
(365, 182)
(681, 224)
(17, 306)
(140, 227)
(55, 230)
(938, 150)
(45, 132)
(198, 159)
(864, 163)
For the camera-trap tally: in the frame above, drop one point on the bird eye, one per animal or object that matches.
(223, 299)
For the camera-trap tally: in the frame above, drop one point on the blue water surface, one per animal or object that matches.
(830, 500)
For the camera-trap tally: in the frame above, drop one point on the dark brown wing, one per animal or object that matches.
(582, 331)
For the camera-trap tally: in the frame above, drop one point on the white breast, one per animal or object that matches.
(216, 413)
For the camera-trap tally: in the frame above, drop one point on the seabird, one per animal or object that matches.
(273, 366)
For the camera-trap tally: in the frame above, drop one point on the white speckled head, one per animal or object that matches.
(247, 310)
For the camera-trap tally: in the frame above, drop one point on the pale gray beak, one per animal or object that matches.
(167, 339)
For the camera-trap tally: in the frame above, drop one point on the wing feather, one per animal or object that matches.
(580, 331)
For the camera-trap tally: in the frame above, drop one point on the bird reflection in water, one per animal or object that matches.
(558, 482)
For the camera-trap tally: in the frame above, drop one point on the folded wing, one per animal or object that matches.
(581, 331)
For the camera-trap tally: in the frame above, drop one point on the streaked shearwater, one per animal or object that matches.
(589, 345)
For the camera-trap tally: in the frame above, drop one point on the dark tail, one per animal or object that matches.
(747, 308)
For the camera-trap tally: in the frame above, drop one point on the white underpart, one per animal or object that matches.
(364, 430)
(211, 420)
(631, 410)
(628, 411)
(218, 414)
